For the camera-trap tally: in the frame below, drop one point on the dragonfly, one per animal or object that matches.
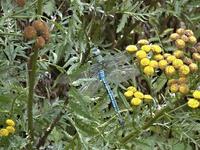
(102, 77)
(107, 69)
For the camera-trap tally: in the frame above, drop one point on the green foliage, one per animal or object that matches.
(71, 98)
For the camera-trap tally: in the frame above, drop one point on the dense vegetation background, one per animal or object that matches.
(71, 110)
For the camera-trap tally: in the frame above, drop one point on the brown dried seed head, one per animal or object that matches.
(182, 80)
(193, 50)
(184, 38)
(187, 60)
(29, 33)
(189, 33)
(20, 3)
(40, 42)
(46, 35)
(39, 26)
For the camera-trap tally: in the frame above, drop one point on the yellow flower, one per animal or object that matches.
(184, 70)
(4, 132)
(162, 64)
(144, 61)
(148, 98)
(10, 129)
(180, 31)
(136, 101)
(128, 94)
(141, 54)
(180, 43)
(177, 63)
(156, 48)
(170, 58)
(148, 70)
(196, 56)
(131, 48)
(193, 67)
(139, 95)
(146, 48)
(174, 88)
(192, 40)
(183, 89)
(158, 57)
(143, 42)
(153, 64)
(166, 55)
(193, 103)
(178, 53)
(132, 88)
(196, 94)
(170, 70)
(174, 36)
(10, 122)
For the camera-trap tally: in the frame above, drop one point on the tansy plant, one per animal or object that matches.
(177, 65)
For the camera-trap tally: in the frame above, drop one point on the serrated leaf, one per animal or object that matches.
(160, 82)
(122, 23)
(49, 7)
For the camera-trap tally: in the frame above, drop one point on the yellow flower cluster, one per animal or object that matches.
(10, 128)
(182, 37)
(142, 52)
(195, 101)
(152, 57)
(136, 97)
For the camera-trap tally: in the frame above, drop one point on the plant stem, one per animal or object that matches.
(39, 7)
(32, 67)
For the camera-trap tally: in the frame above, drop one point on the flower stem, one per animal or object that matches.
(32, 67)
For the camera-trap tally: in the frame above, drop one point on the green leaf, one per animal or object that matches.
(123, 21)
(160, 82)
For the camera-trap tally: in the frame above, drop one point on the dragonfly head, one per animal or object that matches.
(97, 54)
